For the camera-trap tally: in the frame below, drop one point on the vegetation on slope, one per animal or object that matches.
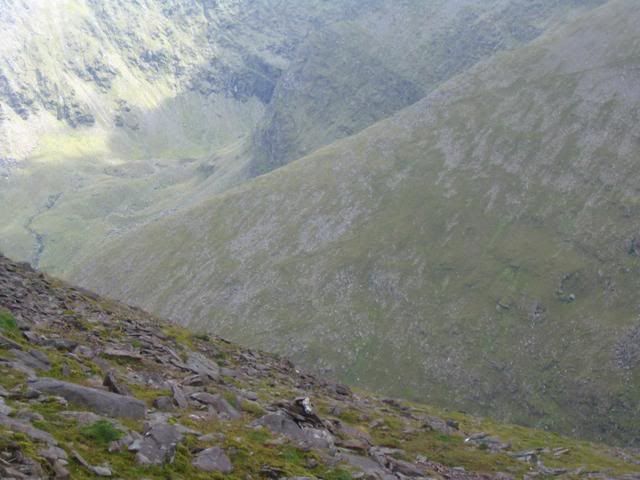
(203, 394)
(112, 115)
(478, 249)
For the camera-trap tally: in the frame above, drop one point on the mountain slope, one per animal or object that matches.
(89, 387)
(359, 71)
(477, 249)
(116, 113)
(112, 112)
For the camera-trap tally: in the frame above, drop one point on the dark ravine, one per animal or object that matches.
(39, 238)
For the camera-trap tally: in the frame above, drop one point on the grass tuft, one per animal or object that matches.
(102, 432)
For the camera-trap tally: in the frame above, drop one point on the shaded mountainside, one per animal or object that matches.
(115, 113)
(92, 388)
(356, 72)
(479, 249)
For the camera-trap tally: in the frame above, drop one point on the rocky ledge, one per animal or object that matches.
(92, 388)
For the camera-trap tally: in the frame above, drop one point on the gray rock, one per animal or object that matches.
(33, 359)
(99, 471)
(28, 429)
(368, 466)
(179, 397)
(121, 353)
(249, 395)
(111, 382)
(53, 453)
(213, 460)
(8, 343)
(159, 445)
(4, 408)
(198, 363)
(284, 425)
(163, 403)
(126, 442)
(84, 351)
(100, 401)
(221, 406)
(83, 418)
(60, 470)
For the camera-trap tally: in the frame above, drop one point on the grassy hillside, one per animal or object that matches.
(479, 249)
(113, 114)
(362, 70)
(118, 111)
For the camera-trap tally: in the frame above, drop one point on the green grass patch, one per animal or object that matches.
(101, 432)
(8, 324)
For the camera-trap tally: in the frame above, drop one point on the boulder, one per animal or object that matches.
(368, 466)
(221, 406)
(28, 429)
(198, 363)
(213, 460)
(106, 403)
(307, 437)
(53, 453)
(159, 445)
(32, 359)
(179, 397)
(114, 385)
(164, 404)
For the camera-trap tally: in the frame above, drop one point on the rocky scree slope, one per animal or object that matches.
(92, 388)
(115, 113)
(478, 249)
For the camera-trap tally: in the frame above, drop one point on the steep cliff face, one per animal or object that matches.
(478, 248)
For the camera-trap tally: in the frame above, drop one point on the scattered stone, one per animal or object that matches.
(112, 383)
(179, 397)
(60, 470)
(8, 343)
(84, 351)
(343, 390)
(163, 403)
(251, 396)
(198, 363)
(53, 453)
(100, 471)
(83, 418)
(282, 424)
(221, 406)
(28, 429)
(119, 353)
(126, 442)
(213, 460)
(60, 344)
(34, 359)
(159, 445)
(4, 408)
(106, 403)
